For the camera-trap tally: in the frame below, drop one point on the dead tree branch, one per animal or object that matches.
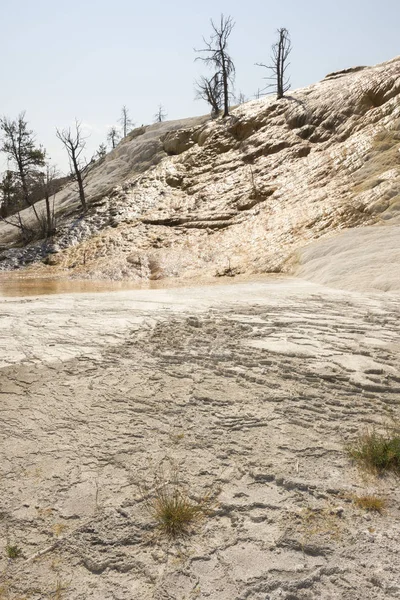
(211, 91)
(75, 143)
(217, 56)
(280, 53)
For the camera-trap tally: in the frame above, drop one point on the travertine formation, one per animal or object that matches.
(244, 393)
(248, 393)
(238, 195)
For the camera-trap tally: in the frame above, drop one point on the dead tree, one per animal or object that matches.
(126, 121)
(75, 143)
(211, 91)
(217, 56)
(280, 64)
(241, 98)
(160, 114)
(113, 136)
(50, 188)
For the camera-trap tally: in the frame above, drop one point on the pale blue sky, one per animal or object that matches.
(86, 59)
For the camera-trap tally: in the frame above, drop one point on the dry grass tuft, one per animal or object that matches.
(60, 588)
(174, 512)
(325, 521)
(370, 503)
(59, 529)
(377, 453)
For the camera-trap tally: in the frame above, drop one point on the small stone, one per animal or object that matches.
(193, 322)
(338, 511)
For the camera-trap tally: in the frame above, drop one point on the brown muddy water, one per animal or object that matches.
(36, 286)
(16, 285)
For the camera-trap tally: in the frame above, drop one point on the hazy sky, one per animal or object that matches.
(85, 59)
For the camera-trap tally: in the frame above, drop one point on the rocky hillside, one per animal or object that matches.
(200, 198)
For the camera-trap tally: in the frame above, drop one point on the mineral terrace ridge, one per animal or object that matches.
(194, 198)
(245, 392)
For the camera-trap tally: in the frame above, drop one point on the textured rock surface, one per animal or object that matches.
(250, 391)
(245, 193)
(363, 258)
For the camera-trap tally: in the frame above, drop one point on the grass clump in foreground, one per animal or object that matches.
(172, 509)
(13, 552)
(175, 512)
(370, 503)
(377, 453)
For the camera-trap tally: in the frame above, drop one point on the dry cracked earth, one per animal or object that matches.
(247, 393)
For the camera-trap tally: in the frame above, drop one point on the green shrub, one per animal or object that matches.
(376, 452)
(13, 551)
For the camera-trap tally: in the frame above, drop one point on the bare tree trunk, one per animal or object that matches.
(79, 180)
(125, 121)
(279, 71)
(225, 86)
(280, 67)
(26, 193)
(48, 215)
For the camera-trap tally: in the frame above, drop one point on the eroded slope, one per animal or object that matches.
(240, 195)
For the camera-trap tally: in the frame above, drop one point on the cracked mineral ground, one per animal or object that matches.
(247, 393)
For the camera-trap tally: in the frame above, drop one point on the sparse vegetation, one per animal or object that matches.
(177, 437)
(370, 503)
(59, 528)
(313, 522)
(13, 551)
(172, 509)
(377, 453)
(61, 587)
